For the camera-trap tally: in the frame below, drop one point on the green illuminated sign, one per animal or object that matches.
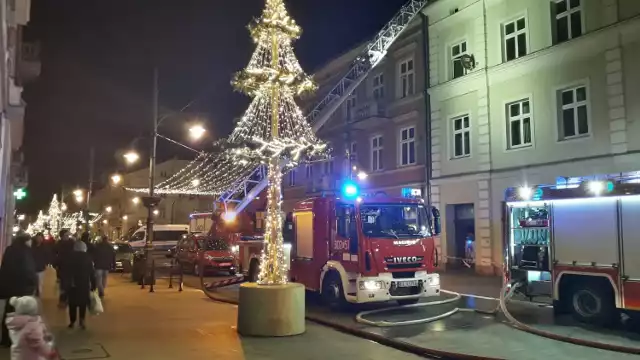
(20, 194)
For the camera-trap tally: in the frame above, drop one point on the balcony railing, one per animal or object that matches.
(372, 109)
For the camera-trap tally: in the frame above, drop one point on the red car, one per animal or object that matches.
(201, 253)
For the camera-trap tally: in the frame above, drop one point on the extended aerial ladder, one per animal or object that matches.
(241, 193)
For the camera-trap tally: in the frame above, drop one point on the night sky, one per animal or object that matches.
(97, 60)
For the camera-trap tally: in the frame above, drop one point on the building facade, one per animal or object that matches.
(378, 130)
(21, 65)
(526, 92)
(123, 210)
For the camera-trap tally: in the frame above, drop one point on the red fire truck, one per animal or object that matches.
(368, 249)
(578, 244)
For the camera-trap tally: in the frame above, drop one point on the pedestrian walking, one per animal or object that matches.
(63, 251)
(28, 333)
(18, 277)
(82, 281)
(104, 258)
(39, 252)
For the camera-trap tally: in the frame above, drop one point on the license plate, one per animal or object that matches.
(224, 264)
(408, 283)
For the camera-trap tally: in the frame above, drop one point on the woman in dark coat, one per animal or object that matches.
(18, 276)
(81, 282)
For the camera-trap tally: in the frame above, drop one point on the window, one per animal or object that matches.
(346, 225)
(350, 108)
(461, 137)
(328, 167)
(457, 51)
(377, 147)
(168, 235)
(574, 121)
(568, 20)
(378, 86)
(408, 146)
(515, 39)
(292, 178)
(519, 124)
(407, 78)
(309, 170)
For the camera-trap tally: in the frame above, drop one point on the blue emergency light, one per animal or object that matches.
(350, 189)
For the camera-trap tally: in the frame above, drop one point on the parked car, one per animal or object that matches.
(124, 256)
(201, 253)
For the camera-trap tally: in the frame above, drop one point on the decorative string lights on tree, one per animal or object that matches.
(273, 130)
(54, 214)
(273, 126)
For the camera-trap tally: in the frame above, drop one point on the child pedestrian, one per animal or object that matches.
(27, 331)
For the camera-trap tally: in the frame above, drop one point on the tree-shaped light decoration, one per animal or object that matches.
(54, 214)
(273, 128)
(38, 225)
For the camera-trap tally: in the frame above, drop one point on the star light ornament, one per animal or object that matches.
(273, 128)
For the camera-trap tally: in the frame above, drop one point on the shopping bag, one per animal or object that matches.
(95, 306)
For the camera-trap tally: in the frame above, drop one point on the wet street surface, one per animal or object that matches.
(471, 332)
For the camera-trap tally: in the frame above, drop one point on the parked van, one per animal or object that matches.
(164, 236)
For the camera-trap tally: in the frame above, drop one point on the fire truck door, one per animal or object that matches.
(344, 244)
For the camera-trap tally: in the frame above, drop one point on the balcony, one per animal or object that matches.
(28, 63)
(19, 173)
(370, 114)
(323, 184)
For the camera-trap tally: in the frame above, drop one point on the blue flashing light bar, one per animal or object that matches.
(350, 189)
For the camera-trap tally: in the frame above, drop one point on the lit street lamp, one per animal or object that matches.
(108, 209)
(63, 207)
(197, 131)
(116, 179)
(135, 200)
(131, 157)
(125, 217)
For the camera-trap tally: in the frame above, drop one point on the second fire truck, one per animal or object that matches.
(578, 244)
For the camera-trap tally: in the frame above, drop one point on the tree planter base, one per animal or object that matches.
(271, 310)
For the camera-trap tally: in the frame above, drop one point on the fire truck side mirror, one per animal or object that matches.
(435, 215)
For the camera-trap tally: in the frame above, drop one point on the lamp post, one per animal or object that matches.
(151, 201)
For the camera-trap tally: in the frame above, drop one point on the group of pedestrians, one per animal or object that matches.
(81, 268)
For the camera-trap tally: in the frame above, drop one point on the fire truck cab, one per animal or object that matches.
(368, 249)
(578, 244)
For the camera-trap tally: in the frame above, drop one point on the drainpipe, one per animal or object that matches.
(427, 106)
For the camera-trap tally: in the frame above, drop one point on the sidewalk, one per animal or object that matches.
(168, 324)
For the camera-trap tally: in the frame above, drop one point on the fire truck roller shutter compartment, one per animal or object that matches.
(586, 231)
(304, 234)
(630, 208)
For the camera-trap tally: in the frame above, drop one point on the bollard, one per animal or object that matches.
(144, 273)
(171, 274)
(181, 277)
(153, 275)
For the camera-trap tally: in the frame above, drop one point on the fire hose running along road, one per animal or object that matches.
(506, 293)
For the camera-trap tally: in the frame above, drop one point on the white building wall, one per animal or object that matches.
(603, 60)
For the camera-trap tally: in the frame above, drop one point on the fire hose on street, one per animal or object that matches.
(507, 291)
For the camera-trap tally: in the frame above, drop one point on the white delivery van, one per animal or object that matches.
(164, 236)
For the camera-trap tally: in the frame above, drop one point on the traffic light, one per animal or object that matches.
(20, 194)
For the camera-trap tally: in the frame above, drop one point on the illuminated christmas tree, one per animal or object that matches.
(54, 215)
(273, 128)
(38, 225)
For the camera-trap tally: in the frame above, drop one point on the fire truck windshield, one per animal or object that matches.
(394, 221)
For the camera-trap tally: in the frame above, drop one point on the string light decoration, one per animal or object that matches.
(273, 129)
(39, 224)
(54, 214)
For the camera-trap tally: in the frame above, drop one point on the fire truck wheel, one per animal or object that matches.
(332, 291)
(407, 302)
(593, 305)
